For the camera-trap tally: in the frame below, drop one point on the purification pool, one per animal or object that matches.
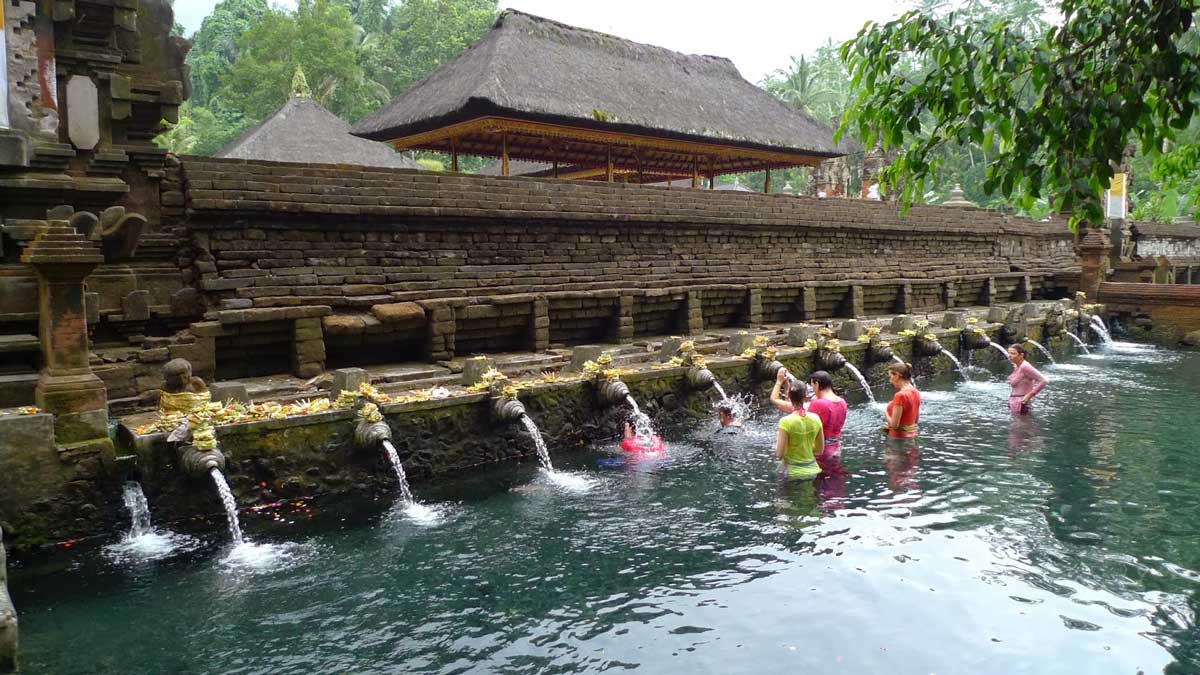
(1067, 542)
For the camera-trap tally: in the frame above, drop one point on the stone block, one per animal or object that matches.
(343, 324)
(348, 379)
(954, 319)
(798, 335)
(740, 342)
(997, 315)
(309, 351)
(237, 303)
(307, 370)
(473, 369)
(187, 302)
(582, 354)
(81, 426)
(229, 391)
(409, 313)
(156, 355)
(850, 329)
(669, 349)
(91, 308)
(903, 322)
(136, 306)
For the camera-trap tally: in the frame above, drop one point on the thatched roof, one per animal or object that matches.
(303, 131)
(647, 104)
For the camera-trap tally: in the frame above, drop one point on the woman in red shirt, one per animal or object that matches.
(905, 408)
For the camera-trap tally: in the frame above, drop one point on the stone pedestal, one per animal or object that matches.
(1093, 248)
(67, 387)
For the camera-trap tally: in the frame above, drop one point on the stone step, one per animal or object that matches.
(404, 373)
(17, 389)
(19, 343)
(447, 380)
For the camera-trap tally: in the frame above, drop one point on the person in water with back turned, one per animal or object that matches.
(1025, 380)
(799, 439)
(831, 408)
(727, 416)
(905, 408)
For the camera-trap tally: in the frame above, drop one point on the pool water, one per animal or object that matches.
(1066, 542)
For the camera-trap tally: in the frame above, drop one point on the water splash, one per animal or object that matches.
(643, 429)
(862, 381)
(1101, 331)
(394, 457)
(1003, 351)
(1080, 343)
(958, 366)
(231, 509)
(539, 443)
(143, 542)
(1045, 352)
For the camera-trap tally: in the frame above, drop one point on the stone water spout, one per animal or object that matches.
(370, 431)
(613, 392)
(830, 360)
(199, 463)
(700, 379)
(508, 410)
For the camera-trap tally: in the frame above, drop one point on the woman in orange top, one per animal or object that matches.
(905, 408)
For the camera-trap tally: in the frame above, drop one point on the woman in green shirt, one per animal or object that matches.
(800, 438)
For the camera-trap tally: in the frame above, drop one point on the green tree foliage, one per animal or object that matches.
(320, 37)
(420, 35)
(1052, 112)
(215, 45)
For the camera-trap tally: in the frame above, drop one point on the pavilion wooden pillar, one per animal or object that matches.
(554, 153)
(695, 172)
(503, 153)
(767, 183)
(454, 154)
(712, 175)
(608, 173)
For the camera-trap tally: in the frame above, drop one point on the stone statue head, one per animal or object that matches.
(177, 376)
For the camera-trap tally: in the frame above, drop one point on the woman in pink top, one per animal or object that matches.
(1025, 381)
(831, 408)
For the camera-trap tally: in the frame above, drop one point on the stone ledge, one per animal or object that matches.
(238, 316)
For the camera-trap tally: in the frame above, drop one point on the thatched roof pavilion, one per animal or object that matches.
(303, 131)
(538, 90)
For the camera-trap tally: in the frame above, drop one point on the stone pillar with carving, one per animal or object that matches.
(67, 387)
(1093, 249)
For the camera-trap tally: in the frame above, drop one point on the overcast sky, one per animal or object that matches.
(758, 35)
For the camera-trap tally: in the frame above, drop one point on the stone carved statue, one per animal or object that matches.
(182, 392)
(116, 230)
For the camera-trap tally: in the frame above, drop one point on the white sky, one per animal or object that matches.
(758, 35)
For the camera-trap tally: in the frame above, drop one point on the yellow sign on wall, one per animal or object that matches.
(1116, 197)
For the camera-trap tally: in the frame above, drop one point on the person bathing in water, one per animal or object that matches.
(727, 416)
(631, 442)
(831, 408)
(799, 440)
(1025, 380)
(905, 408)
(784, 382)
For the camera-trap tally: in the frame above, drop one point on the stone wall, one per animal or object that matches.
(490, 264)
(1174, 240)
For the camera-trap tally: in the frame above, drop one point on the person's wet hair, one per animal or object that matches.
(902, 370)
(821, 380)
(1020, 349)
(726, 409)
(798, 394)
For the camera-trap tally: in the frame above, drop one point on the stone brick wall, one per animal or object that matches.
(1174, 240)
(496, 264)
